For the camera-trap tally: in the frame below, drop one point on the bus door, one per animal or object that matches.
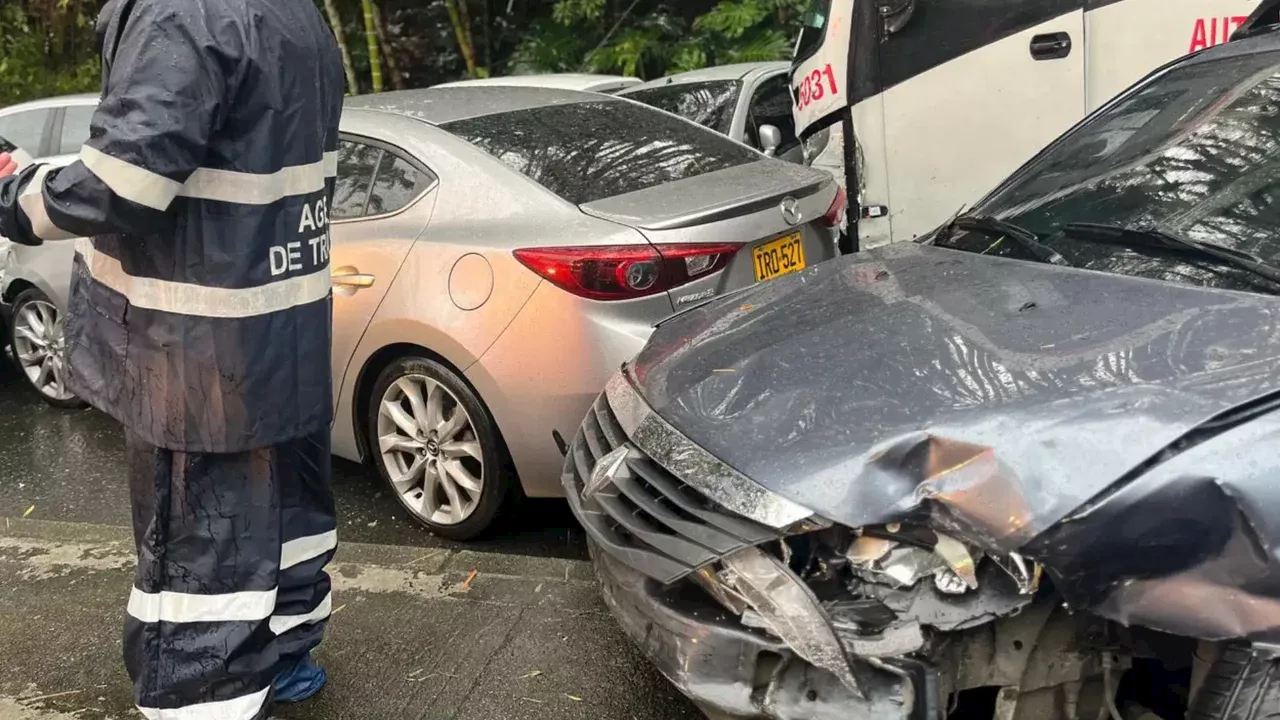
(973, 89)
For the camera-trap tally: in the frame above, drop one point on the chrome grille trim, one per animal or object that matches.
(695, 466)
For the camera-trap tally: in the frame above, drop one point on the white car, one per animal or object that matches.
(585, 82)
(749, 102)
(54, 130)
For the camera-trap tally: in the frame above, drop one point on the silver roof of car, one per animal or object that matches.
(440, 105)
(739, 71)
(563, 81)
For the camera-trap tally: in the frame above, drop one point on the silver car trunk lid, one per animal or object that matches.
(726, 194)
(743, 205)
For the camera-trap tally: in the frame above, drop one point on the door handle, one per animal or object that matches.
(349, 277)
(1051, 46)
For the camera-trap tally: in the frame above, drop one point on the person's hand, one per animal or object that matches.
(8, 165)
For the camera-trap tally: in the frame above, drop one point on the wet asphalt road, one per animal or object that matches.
(69, 464)
(511, 627)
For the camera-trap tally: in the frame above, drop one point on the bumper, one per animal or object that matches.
(732, 672)
(649, 530)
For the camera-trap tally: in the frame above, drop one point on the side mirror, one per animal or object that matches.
(770, 139)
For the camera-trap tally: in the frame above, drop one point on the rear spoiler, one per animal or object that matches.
(1264, 18)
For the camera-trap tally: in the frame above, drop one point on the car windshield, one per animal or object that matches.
(813, 30)
(588, 151)
(710, 103)
(1193, 153)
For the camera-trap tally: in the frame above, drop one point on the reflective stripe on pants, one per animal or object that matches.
(230, 586)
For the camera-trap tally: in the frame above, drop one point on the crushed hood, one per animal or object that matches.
(995, 395)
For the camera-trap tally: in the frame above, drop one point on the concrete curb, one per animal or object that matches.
(398, 557)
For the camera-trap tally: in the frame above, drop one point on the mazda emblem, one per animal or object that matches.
(791, 210)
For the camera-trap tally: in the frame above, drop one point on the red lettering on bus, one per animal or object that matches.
(1214, 31)
(815, 86)
(1198, 39)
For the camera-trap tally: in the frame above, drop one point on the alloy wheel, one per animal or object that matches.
(40, 349)
(429, 449)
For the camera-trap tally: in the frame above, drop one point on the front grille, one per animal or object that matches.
(643, 515)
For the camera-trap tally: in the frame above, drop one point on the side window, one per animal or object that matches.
(75, 128)
(771, 105)
(25, 129)
(396, 185)
(356, 164)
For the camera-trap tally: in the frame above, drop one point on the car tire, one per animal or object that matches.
(450, 473)
(37, 348)
(1241, 685)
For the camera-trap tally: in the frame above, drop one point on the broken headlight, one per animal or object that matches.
(876, 592)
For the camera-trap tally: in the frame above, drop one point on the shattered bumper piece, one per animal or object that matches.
(733, 672)
(791, 610)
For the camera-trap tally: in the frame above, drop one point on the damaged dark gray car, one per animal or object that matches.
(1028, 468)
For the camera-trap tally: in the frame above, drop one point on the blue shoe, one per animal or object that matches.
(300, 682)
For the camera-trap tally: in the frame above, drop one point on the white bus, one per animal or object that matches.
(947, 97)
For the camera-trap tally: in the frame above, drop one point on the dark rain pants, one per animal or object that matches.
(230, 587)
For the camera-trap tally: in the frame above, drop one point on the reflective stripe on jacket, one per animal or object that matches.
(200, 313)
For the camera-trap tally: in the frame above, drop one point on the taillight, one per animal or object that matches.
(622, 272)
(835, 214)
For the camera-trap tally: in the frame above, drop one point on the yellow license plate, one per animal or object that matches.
(778, 257)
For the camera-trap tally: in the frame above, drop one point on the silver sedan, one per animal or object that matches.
(497, 253)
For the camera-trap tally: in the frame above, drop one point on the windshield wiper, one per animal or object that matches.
(994, 227)
(1165, 240)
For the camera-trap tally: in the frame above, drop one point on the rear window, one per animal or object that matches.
(710, 104)
(593, 150)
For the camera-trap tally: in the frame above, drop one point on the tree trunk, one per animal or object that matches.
(371, 37)
(488, 36)
(335, 22)
(463, 33)
(393, 66)
(465, 13)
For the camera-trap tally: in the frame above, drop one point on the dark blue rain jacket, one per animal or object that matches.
(200, 313)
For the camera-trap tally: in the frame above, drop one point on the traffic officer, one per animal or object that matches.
(213, 151)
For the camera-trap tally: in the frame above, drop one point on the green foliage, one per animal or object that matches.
(688, 56)
(549, 47)
(761, 46)
(734, 18)
(750, 30)
(47, 47)
(635, 50)
(47, 54)
(649, 39)
(567, 12)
